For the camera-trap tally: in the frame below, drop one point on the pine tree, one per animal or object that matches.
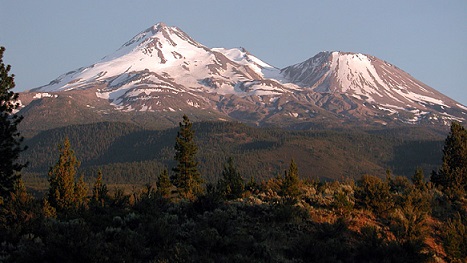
(18, 211)
(62, 195)
(99, 190)
(48, 210)
(163, 184)
(453, 174)
(291, 181)
(418, 179)
(231, 185)
(186, 176)
(251, 185)
(81, 193)
(10, 138)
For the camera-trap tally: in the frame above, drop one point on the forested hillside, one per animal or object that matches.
(127, 153)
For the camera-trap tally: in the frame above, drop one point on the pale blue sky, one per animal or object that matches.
(427, 39)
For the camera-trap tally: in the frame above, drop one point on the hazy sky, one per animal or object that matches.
(427, 39)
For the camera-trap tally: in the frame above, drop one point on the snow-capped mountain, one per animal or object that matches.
(162, 62)
(374, 83)
(163, 70)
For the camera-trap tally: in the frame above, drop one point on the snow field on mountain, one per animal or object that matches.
(163, 61)
(356, 72)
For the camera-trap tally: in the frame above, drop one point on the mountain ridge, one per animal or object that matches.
(163, 70)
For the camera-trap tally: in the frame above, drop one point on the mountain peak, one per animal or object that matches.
(159, 31)
(161, 27)
(371, 82)
(338, 71)
(160, 24)
(162, 69)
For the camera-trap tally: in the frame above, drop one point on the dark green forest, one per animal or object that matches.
(128, 154)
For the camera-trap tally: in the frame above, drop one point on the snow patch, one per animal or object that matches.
(193, 104)
(419, 98)
(44, 95)
(461, 106)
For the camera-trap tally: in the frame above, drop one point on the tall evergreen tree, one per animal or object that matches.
(62, 194)
(453, 173)
(418, 179)
(291, 181)
(163, 184)
(81, 192)
(231, 185)
(186, 176)
(10, 138)
(19, 209)
(99, 190)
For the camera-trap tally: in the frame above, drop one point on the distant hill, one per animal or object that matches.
(129, 154)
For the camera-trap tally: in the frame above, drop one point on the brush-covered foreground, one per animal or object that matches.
(368, 220)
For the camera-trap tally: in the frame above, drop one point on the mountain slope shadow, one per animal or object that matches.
(138, 146)
(416, 154)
